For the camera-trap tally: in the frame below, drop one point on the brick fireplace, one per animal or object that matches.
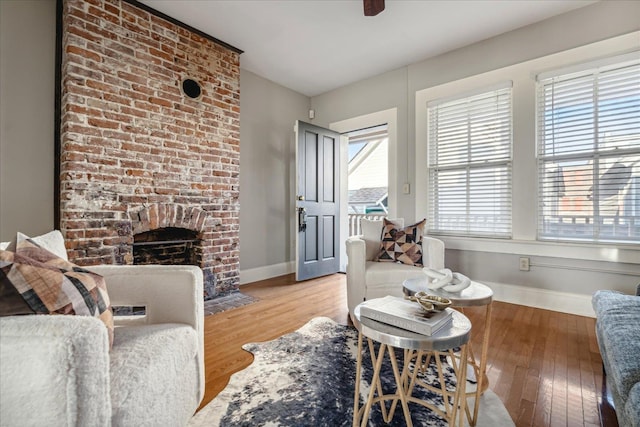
(149, 138)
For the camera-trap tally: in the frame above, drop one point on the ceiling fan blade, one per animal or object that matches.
(373, 7)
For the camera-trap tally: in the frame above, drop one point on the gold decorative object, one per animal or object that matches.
(429, 303)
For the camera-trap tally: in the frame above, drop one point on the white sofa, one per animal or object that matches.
(58, 370)
(367, 279)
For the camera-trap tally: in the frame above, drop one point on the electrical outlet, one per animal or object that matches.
(406, 188)
(524, 264)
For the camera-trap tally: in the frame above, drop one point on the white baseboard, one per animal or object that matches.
(267, 272)
(564, 302)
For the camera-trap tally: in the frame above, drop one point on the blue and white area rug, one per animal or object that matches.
(306, 378)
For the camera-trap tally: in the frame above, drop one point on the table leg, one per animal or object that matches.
(356, 397)
(460, 396)
(400, 388)
(408, 355)
(481, 370)
(483, 364)
(410, 385)
(443, 384)
(361, 415)
(455, 403)
(375, 380)
(378, 385)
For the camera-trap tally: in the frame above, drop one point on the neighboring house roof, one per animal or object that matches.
(367, 195)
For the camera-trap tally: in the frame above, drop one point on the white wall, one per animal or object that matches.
(27, 77)
(364, 100)
(268, 113)
(398, 88)
(372, 170)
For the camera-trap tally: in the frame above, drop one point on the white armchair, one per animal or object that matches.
(57, 370)
(367, 279)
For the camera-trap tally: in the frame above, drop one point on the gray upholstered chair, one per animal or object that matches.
(618, 335)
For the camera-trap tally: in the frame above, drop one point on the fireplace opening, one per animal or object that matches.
(167, 246)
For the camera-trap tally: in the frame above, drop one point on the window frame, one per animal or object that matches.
(589, 72)
(463, 104)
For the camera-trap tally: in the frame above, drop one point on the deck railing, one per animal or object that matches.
(621, 227)
(354, 221)
(568, 226)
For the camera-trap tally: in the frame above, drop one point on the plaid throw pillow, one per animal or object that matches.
(51, 285)
(401, 244)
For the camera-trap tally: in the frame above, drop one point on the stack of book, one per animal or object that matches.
(405, 314)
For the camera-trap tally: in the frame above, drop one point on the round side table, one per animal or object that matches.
(477, 294)
(418, 348)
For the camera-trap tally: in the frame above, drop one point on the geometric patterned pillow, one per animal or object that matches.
(11, 302)
(401, 244)
(52, 285)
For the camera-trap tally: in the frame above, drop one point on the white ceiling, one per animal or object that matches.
(314, 46)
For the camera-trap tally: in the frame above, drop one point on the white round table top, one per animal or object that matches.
(476, 294)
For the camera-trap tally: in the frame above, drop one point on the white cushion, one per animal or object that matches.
(51, 241)
(383, 273)
(154, 379)
(54, 371)
(372, 234)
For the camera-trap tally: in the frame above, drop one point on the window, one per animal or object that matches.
(589, 153)
(470, 158)
(367, 178)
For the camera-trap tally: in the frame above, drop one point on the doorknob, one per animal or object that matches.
(302, 219)
(300, 198)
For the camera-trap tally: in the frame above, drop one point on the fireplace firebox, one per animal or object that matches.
(167, 246)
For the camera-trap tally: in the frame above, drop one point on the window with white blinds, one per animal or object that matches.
(470, 158)
(589, 153)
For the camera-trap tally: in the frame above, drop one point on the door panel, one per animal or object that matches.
(329, 148)
(310, 166)
(328, 236)
(317, 201)
(310, 247)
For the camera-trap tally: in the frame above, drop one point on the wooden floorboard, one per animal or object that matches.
(544, 365)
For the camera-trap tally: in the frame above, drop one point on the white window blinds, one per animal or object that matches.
(470, 155)
(589, 154)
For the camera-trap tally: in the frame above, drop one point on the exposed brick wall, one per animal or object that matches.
(138, 154)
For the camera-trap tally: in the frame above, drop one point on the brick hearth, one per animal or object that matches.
(137, 153)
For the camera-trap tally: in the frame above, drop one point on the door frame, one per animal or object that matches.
(390, 117)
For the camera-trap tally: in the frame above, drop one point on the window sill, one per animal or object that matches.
(593, 252)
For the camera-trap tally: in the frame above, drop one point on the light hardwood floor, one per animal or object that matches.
(544, 365)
